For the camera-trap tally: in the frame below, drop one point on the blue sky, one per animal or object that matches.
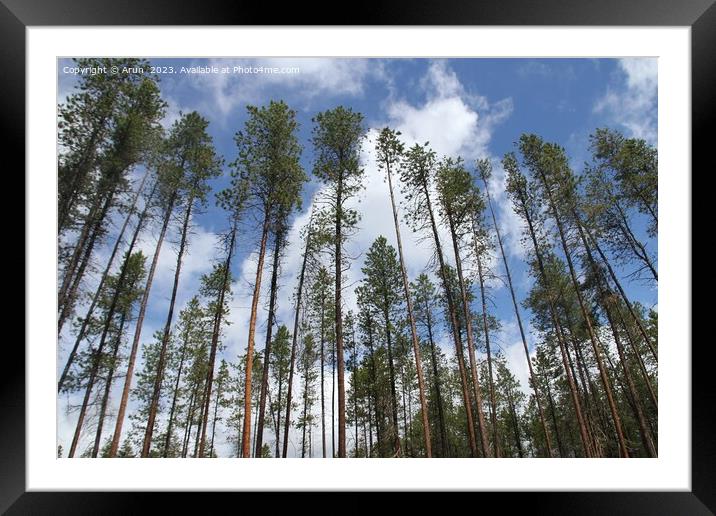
(473, 108)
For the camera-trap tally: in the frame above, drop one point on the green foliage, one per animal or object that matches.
(633, 164)
(268, 165)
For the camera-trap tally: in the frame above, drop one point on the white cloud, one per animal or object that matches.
(316, 78)
(631, 101)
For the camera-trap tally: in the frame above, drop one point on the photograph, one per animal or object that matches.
(344, 257)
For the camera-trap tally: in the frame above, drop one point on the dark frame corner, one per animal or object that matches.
(700, 15)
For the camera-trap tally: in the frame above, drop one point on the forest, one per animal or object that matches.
(412, 368)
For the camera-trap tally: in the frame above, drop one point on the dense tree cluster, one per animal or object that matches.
(415, 364)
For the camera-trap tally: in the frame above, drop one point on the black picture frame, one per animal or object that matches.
(700, 15)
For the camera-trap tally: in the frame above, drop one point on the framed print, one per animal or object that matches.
(420, 253)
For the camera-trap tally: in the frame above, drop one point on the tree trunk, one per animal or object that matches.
(634, 315)
(154, 405)
(624, 452)
(79, 174)
(554, 420)
(374, 380)
(339, 321)
(639, 360)
(267, 346)
(278, 414)
(557, 327)
(73, 277)
(213, 422)
(605, 295)
(515, 424)
(323, 361)
(215, 338)
(71, 267)
(637, 247)
(246, 434)
(470, 345)
(175, 396)
(100, 287)
(519, 320)
(354, 382)
(391, 370)
(411, 320)
(66, 309)
(299, 298)
(138, 329)
(108, 388)
(98, 354)
(436, 376)
(333, 402)
(305, 419)
(486, 329)
(453, 324)
(188, 423)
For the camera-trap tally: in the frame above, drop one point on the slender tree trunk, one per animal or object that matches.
(354, 382)
(97, 354)
(175, 396)
(154, 405)
(213, 421)
(515, 423)
(305, 419)
(581, 374)
(558, 329)
(624, 452)
(71, 283)
(267, 346)
(639, 359)
(278, 414)
(188, 423)
(519, 320)
(339, 321)
(79, 174)
(333, 402)
(554, 419)
(256, 422)
(405, 413)
(66, 309)
(74, 273)
(215, 338)
(486, 329)
(95, 359)
(299, 298)
(393, 396)
(95, 299)
(634, 315)
(638, 248)
(374, 380)
(644, 432)
(365, 440)
(370, 430)
(470, 343)
(246, 435)
(108, 387)
(411, 320)
(138, 329)
(198, 432)
(323, 361)
(436, 375)
(605, 295)
(454, 327)
(88, 228)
